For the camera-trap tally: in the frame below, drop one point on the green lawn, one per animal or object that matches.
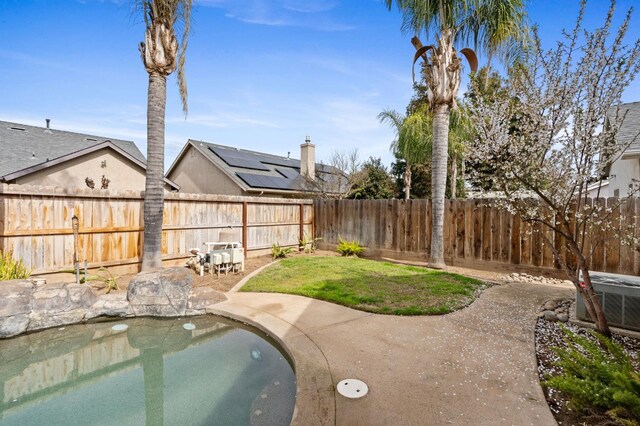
(368, 285)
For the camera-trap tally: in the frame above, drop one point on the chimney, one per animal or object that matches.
(308, 159)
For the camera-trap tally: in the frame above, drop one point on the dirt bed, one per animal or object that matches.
(223, 283)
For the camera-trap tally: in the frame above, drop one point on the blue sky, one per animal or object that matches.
(262, 74)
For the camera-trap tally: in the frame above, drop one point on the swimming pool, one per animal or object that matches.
(194, 371)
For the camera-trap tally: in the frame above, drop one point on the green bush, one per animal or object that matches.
(349, 248)
(280, 252)
(598, 375)
(11, 269)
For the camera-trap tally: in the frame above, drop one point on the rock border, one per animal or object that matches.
(556, 310)
(25, 306)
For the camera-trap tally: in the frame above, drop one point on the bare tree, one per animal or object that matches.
(555, 134)
(338, 177)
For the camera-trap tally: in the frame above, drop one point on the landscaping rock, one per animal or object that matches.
(160, 293)
(13, 325)
(56, 298)
(110, 305)
(556, 310)
(15, 297)
(202, 297)
(40, 320)
(525, 278)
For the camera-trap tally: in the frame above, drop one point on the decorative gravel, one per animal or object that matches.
(549, 335)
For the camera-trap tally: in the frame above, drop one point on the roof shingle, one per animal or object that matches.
(25, 146)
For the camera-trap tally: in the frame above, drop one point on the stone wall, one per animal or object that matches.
(24, 306)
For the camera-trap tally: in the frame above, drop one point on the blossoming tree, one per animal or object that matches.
(556, 135)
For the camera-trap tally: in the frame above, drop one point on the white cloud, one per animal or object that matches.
(291, 13)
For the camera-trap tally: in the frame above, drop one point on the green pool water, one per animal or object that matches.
(156, 372)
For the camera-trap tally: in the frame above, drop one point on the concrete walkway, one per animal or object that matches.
(473, 367)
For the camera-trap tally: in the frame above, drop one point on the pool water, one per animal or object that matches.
(195, 371)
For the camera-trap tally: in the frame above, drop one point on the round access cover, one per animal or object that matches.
(120, 327)
(189, 326)
(352, 388)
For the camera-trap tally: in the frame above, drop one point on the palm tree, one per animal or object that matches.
(162, 53)
(489, 23)
(413, 138)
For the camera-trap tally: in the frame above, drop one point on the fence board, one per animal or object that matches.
(37, 224)
(477, 233)
(627, 228)
(460, 237)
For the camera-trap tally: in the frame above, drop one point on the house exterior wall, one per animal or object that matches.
(195, 174)
(592, 191)
(122, 173)
(621, 176)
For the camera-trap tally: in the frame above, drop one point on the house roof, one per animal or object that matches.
(257, 171)
(25, 147)
(630, 128)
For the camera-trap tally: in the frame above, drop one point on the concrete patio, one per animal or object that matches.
(476, 366)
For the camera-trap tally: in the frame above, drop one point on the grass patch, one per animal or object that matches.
(368, 285)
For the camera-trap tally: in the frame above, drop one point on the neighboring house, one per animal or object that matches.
(49, 157)
(623, 174)
(206, 168)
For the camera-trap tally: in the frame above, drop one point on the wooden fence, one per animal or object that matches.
(36, 224)
(476, 234)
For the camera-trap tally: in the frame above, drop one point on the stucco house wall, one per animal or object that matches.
(196, 175)
(122, 173)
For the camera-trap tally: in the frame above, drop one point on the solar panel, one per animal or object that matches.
(261, 181)
(281, 162)
(235, 161)
(288, 173)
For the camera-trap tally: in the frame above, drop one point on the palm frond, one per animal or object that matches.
(176, 16)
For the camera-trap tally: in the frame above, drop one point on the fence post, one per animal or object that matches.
(244, 228)
(301, 222)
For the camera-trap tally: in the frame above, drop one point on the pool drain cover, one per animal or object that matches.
(352, 388)
(120, 327)
(189, 326)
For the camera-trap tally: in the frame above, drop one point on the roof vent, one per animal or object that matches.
(48, 129)
(18, 128)
(92, 139)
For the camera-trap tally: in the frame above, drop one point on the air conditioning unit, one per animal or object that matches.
(620, 299)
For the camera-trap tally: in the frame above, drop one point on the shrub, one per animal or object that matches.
(11, 269)
(349, 248)
(280, 252)
(598, 375)
(110, 282)
(309, 245)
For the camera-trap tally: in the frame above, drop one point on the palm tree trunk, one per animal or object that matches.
(438, 183)
(154, 186)
(454, 175)
(407, 181)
